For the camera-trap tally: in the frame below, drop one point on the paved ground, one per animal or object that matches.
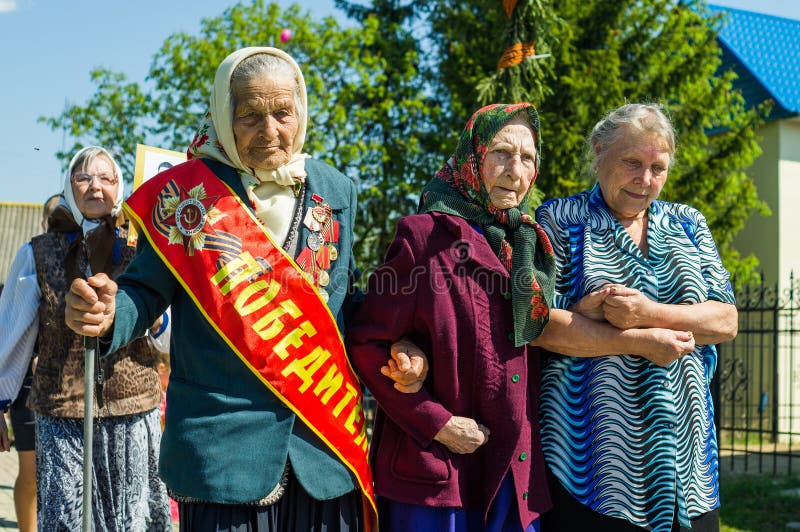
(8, 474)
(780, 462)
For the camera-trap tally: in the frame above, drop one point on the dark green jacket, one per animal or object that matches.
(227, 437)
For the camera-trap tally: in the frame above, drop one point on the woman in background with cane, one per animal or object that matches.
(84, 235)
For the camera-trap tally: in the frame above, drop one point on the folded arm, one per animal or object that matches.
(711, 322)
(385, 317)
(570, 333)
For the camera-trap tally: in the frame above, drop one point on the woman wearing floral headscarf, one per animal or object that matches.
(83, 236)
(470, 281)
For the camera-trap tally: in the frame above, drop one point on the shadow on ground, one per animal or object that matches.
(782, 463)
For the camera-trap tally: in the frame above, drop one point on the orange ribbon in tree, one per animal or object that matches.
(508, 6)
(515, 55)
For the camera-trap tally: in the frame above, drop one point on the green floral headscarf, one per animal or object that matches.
(519, 242)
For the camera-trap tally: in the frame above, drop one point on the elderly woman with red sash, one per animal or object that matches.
(469, 280)
(250, 243)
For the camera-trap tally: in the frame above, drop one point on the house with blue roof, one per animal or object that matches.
(764, 51)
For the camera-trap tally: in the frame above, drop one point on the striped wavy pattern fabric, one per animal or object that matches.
(625, 437)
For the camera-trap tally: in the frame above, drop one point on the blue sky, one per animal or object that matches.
(48, 47)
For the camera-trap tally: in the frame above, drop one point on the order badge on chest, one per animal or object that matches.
(320, 245)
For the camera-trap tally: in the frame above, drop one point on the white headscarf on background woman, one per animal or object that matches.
(98, 237)
(69, 198)
(272, 192)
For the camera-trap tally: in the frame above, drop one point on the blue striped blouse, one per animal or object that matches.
(625, 437)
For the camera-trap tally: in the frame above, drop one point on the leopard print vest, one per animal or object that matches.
(129, 383)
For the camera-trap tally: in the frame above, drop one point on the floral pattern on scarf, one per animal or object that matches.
(519, 242)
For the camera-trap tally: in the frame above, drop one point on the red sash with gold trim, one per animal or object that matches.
(260, 303)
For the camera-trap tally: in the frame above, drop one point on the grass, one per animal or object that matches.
(752, 503)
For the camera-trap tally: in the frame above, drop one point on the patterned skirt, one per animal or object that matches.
(127, 493)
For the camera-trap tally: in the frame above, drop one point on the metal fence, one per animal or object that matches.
(757, 385)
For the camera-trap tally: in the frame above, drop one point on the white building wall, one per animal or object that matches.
(789, 198)
(789, 264)
(760, 234)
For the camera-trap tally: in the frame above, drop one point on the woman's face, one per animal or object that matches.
(633, 172)
(509, 166)
(265, 122)
(95, 196)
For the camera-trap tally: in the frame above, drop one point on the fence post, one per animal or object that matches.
(776, 317)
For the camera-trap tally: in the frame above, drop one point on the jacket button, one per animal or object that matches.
(524, 495)
(506, 295)
(511, 336)
(515, 377)
(523, 456)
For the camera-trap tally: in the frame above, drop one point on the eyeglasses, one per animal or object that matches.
(86, 179)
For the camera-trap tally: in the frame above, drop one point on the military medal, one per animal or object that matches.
(320, 250)
(315, 241)
(188, 217)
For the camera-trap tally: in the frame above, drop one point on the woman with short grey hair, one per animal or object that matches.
(629, 440)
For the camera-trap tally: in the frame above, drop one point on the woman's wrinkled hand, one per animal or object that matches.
(628, 308)
(462, 435)
(408, 366)
(91, 305)
(591, 305)
(664, 346)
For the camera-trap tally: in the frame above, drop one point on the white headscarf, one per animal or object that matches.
(68, 199)
(215, 138)
(270, 191)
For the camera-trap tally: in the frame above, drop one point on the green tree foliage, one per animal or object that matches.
(112, 118)
(389, 94)
(367, 110)
(606, 54)
(395, 119)
(530, 28)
